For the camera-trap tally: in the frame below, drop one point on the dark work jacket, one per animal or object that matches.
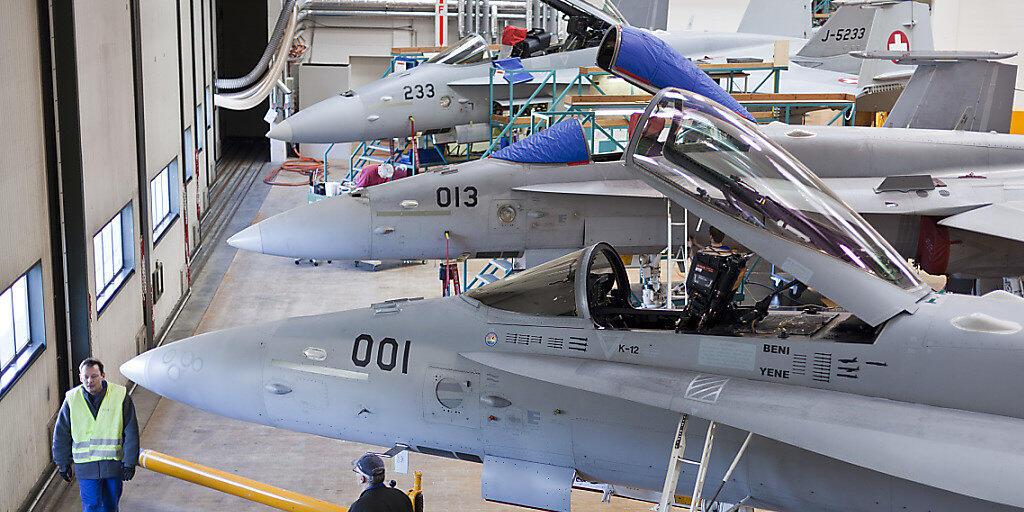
(381, 498)
(101, 468)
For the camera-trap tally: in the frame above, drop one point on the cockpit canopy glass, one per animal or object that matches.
(708, 152)
(602, 9)
(607, 7)
(470, 50)
(548, 289)
(554, 288)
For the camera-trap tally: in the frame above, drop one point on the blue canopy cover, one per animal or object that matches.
(644, 57)
(562, 143)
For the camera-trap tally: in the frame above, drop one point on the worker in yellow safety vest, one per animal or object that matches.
(96, 438)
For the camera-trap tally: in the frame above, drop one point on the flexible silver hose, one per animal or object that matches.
(324, 8)
(261, 66)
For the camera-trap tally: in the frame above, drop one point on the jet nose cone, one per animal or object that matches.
(248, 239)
(281, 131)
(335, 119)
(219, 372)
(135, 369)
(335, 228)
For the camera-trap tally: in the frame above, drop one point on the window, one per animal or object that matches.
(21, 326)
(190, 155)
(113, 255)
(163, 200)
(200, 123)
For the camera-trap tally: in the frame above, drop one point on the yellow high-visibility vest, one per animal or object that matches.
(98, 438)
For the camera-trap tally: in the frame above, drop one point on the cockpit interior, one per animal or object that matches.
(593, 283)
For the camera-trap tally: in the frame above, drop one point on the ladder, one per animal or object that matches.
(495, 269)
(670, 293)
(370, 152)
(675, 466)
(449, 274)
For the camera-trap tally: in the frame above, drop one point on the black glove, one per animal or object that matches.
(127, 472)
(66, 473)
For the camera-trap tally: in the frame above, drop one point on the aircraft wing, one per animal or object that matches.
(611, 188)
(1004, 219)
(974, 454)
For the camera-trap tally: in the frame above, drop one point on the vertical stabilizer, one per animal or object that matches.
(847, 30)
(897, 27)
(788, 18)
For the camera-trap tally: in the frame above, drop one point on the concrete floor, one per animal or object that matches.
(242, 288)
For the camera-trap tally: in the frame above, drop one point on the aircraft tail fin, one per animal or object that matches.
(847, 30)
(788, 18)
(954, 91)
(898, 27)
(868, 25)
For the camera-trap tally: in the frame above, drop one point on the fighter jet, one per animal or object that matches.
(953, 207)
(944, 198)
(902, 400)
(453, 88)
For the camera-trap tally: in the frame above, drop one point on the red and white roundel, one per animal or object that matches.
(849, 81)
(898, 42)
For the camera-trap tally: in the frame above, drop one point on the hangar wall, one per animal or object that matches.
(107, 118)
(27, 407)
(175, 54)
(983, 25)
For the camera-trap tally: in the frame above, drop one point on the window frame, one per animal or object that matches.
(169, 198)
(111, 287)
(189, 138)
(200, 121)
(35, 345)
(209, 112)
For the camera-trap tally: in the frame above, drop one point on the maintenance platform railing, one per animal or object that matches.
(527, 111)
(820, 11)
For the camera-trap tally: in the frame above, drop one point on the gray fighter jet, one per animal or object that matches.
(960, 215)
(945, 198)
(452, 89)
(904, 400)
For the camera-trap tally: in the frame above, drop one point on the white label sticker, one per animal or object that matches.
(727, 354)
(401, 462)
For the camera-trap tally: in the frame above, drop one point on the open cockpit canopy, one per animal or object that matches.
(593, 277)
(709, 160)
(469, 50)
(603, 10)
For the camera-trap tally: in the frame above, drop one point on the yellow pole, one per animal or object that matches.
(216, 479)
(417, 482)
(416, 493)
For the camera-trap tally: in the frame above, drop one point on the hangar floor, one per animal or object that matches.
(238, 288)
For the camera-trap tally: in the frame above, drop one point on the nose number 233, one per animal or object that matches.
(418, 91)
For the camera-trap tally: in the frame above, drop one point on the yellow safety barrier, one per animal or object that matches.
(251, 490)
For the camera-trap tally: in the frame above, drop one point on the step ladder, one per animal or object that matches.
(495, 269)
(369, 152)
(671, 295)
(449, 275)
(675, 466)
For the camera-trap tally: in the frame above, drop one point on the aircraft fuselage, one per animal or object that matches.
(393, 373)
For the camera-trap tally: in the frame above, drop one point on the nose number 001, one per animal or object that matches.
(387, 353)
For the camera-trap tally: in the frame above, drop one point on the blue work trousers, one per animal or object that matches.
(99, 494)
